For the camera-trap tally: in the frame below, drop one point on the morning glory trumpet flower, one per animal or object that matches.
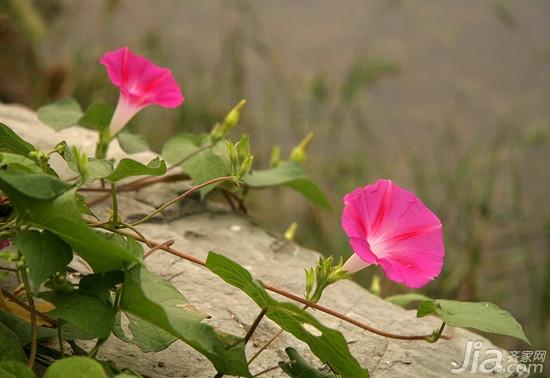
(389, 226)
(141, 83)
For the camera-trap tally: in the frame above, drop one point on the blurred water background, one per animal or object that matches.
(450, 99)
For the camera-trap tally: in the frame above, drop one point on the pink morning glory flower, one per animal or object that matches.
(141, 83)
(391, 227)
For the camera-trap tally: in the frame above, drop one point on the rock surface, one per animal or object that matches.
(199, 228)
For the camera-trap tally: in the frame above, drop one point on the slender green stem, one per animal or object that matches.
(102, 146)
(182, 196)
(272, 368)
(60, 339)
(255, 324)
(269, 342)
(30, 299)
(115, 204)
(436, 334)
(264, 347)
(93, 352)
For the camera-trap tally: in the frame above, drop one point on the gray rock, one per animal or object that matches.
(269, 258)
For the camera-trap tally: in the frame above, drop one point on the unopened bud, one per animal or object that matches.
(243, 147)
(290, 233)
(275, 156)
(245, 166)
(232, 118)
(60, 148)
(299, 153)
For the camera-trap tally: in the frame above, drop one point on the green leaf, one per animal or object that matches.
(404, 299)
(15, 369)
(61, 114)
(129, 244)
(327, 344)
(283, 173)
(146, 336)
(299, 368)
(11, 142)
(99, 285)
(83, 206)
(291, 174)
(22, 328)
(61, 216)
(90, 315)
(310, 191)
(97, 116)
(128, 167)
(10, 348)
(179, 147)
(99, 168)
(132, 143)
(95, 168)
(81, 367)
(206, 166)
(45, 254)
(19, 163)
(36, 185)
(483, 316)
(154, 300)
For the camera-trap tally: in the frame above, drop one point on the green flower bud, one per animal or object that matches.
(233, 156)
(60, 148)
(243, 147)
(275, 156)
(290, 233)
(232, 118)
(245, 166)
(299, 153)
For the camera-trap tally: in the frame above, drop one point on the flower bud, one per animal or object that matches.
(61, 147)
(243, 147)
(290, 233)
(245, 166)
(275, 156)
(232, 118)
(233, 155)
(299, 153)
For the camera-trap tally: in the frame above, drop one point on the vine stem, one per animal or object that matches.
(255, 325)
(115, 204)
(30, 299)
(268, 343)
(182, 196)
(60, 340)
(286, 294)
(131, 186)
(272, 368)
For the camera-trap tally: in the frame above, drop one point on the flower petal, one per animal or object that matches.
(363, 250)
(413, 268)
(140, 81)
(390, 226)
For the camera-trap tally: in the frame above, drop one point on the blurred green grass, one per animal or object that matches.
(488, 183)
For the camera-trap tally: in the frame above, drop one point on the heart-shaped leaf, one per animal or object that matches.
(61, 114)
(128, 167)
(483, 316)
